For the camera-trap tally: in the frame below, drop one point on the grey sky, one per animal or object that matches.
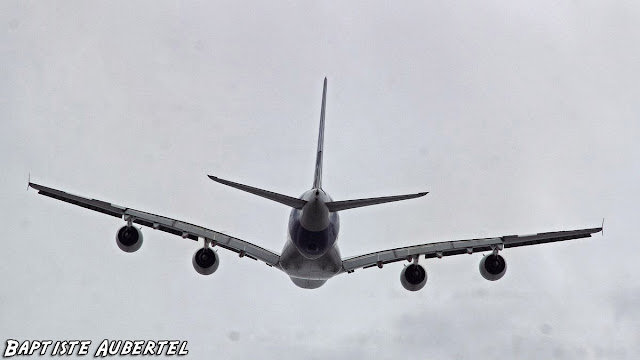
(518, 117)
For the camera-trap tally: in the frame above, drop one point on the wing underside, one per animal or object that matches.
(172, 226)
(449, 248)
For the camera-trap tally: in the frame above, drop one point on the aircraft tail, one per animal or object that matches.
(317, 176)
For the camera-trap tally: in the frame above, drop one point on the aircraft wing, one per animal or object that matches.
(457, 247)
(172, 226)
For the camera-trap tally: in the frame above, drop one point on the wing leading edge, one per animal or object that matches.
(172, 226)
(449, 248)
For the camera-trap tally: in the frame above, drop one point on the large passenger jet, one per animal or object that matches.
(310, 255)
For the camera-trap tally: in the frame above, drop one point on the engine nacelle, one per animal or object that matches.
(129, 238)
(205, 261)
(493, 267)
(413, 277)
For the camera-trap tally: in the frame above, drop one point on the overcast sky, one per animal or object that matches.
(517, 116)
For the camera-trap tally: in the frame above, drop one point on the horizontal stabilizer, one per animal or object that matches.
(350, 204)
(283, 199)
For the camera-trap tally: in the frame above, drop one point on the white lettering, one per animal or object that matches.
(35, 345)
(55, 348)
(173, 347)
(45, 345)
(161, 345)
(24, 348)
(113, 350)
(11, 349)
(126, 348)
(102, 349)
(63, 348)
(149, 348)
(183, 349)
(84, 347)
(72, 345)
(137, 347)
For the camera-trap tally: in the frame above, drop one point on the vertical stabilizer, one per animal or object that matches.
(317, 177)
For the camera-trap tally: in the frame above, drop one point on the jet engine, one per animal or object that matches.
(129, 238)
(205, 261)
(413, 277)
(493, 267)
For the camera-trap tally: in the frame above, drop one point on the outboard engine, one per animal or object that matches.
(413, 277)
(493, 267)
(205, 261)
(129, 238)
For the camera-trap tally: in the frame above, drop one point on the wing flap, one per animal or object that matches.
(191, 231)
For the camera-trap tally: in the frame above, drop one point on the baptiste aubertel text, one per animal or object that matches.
(104, 349)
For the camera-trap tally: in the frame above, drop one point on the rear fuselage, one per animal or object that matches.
(311, 255)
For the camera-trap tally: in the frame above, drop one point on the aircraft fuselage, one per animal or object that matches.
(311, 255)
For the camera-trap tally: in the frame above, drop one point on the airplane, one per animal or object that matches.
(311, 255)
